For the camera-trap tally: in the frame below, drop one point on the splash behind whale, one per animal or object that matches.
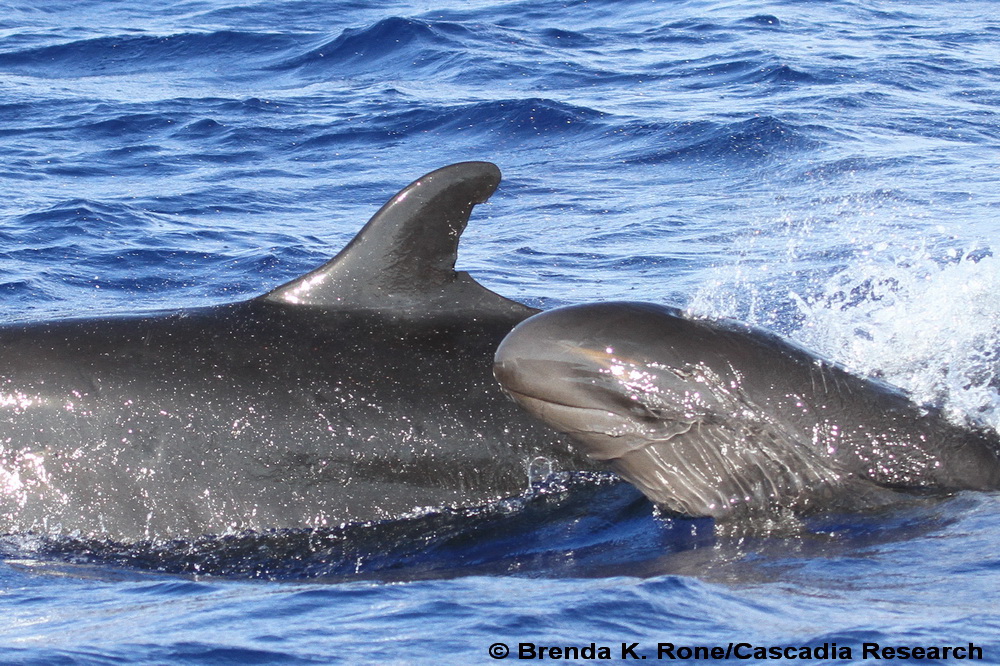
(360, 391)
(718, 419)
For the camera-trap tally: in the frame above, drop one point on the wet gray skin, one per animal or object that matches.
(718, 419)
(360, 391)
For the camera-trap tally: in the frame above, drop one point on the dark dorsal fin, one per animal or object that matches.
(403, 260)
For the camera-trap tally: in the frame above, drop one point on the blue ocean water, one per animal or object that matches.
(824, 169)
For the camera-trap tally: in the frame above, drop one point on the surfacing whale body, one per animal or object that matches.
(718, 419)
(360, 391)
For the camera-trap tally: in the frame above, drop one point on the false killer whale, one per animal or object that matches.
(357, 392)
(718, 419)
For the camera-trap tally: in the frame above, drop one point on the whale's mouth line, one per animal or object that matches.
(521, 395)
(559, 415)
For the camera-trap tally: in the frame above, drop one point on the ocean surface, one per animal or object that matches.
(827, 170)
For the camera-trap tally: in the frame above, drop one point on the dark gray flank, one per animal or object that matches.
(360, 391)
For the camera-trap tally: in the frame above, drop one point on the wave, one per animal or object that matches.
(566, 38)
(400, 48)
(405, 42)
(754, 139)
(699, 31)
(740, 69)
(133, 54)
(496, 121)
(761, 20)
(73, 219)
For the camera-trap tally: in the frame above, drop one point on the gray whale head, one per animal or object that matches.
(715, 418)
(627, 382)
(605, 373)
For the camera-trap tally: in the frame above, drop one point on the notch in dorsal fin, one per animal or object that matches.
(403, 260)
